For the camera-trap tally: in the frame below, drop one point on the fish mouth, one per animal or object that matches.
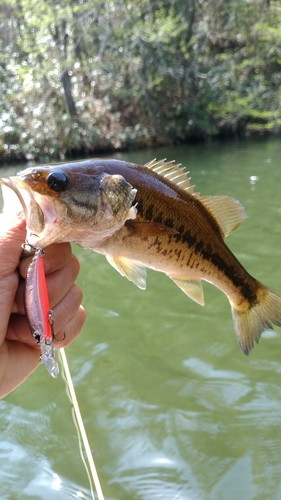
(34, 215)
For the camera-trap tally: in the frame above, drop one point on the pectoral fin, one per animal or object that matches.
(192, 288)
(144, 228)
(127, 268)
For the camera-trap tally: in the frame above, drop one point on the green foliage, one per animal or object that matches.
(78, 76)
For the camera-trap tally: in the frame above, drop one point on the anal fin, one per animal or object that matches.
(192, 288)
(133, 272)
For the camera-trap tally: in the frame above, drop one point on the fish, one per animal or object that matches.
(147, 216)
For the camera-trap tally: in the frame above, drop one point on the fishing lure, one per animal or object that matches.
(38, 312)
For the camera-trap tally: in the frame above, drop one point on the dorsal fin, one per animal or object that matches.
(171, 171)
(227, 211)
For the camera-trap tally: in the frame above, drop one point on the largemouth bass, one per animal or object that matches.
(147, 217)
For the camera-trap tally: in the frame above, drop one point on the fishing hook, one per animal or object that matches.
(26, 246)
(51, 323)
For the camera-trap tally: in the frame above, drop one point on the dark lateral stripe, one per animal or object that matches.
(148, 212)
(139, 207)
(200, 248)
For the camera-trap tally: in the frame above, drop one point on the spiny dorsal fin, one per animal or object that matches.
(171, 171)
(127, 268)
(227, 211)
(192, 288)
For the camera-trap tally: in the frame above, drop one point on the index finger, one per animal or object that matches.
(57, 256)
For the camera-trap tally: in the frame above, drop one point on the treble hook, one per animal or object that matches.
(51, 323)
(28, 249)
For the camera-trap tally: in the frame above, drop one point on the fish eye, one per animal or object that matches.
(57, 180)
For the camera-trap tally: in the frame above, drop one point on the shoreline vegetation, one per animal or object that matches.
(82, 77)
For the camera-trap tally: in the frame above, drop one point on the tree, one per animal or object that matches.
(81, 75)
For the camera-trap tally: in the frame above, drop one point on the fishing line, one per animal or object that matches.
(82, 436)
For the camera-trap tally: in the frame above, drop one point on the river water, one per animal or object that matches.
(172, 408)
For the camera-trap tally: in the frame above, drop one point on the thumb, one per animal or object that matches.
(12, 235)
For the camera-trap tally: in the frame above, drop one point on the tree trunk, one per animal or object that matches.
(68, 99)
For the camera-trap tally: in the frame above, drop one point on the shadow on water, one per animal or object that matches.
(172, 408)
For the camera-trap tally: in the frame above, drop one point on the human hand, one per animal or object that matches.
(19, 353)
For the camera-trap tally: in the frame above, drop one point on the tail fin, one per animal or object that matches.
(251, 320)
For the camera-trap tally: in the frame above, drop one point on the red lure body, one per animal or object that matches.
(38, 312)
(36, 299)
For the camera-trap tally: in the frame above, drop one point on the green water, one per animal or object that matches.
(173, 409)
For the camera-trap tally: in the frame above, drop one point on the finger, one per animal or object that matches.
(63, 313)
(57, 256)
(70, 331)
(19, 361)
(8, 288)
(11, 237)
(58, 284)
(19, 330)
(64, 317)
